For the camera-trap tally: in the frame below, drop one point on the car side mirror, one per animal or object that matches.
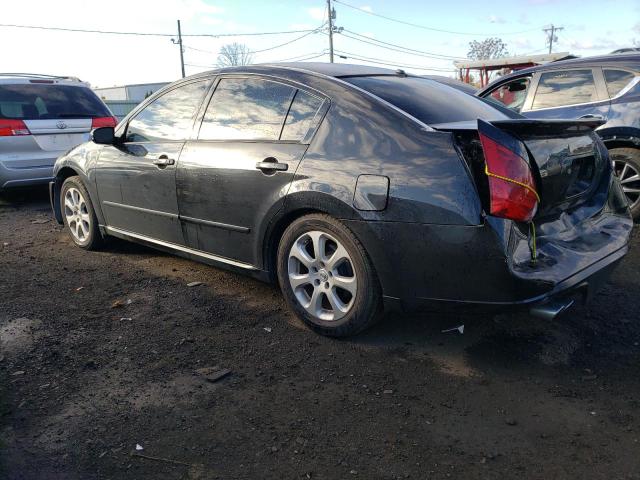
(103, 136)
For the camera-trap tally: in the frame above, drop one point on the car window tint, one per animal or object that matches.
(300, 117)
(30, 101)
(427, 100)
(512, 94)
(246, 109)
(569, 87)
(617, 80)
(168, 117)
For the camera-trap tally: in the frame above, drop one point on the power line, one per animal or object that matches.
(398, 48)
(148, 34)
(387, 63)
(298, 58)
(424, 27)
(265, 49)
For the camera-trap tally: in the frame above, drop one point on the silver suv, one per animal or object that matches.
(42, 117)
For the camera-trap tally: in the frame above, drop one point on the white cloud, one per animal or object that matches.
(317, 13)
(496, 19)
(366, 8)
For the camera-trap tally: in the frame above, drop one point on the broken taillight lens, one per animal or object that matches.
(12, 128)
(512, 189)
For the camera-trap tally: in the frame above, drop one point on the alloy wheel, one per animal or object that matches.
(322, 275)
(77, 215)
(630, 180)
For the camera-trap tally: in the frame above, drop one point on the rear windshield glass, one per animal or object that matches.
(428, 100)
(45, 101)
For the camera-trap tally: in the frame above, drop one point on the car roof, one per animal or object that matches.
(13, 78)
(622, 60)
(336, 70)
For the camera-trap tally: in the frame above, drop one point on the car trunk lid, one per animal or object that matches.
(567, 159)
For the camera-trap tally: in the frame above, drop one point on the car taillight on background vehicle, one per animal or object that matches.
(512, 189)
(12, 128)
(99, 122)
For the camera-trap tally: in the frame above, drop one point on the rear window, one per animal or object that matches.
(429, 101)
(45, 101)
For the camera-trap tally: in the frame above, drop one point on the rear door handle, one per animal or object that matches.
(591, 115)
(271, 165)
(163, 160)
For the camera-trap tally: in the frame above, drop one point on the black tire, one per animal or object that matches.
(366, 307)
(630, 156)
(91, 238)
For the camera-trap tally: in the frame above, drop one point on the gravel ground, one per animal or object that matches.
(100, 351)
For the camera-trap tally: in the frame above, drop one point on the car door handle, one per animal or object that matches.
(163, 160)
(271, 165)
(592, 116)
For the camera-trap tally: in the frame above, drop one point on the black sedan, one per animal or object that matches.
(358, 189)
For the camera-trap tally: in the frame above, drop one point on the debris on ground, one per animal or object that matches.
(459, 328)
(79, 289)
(194, 284)
(40, 221)
(120, 303)
(213, 374)
(267, 329)
(139, 447)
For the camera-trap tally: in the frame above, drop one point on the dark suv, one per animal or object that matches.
(606, 87)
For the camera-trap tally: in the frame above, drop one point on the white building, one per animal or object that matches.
(129, 93)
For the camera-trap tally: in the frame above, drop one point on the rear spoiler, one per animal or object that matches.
(529, 125)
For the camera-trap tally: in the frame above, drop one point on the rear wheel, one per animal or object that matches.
(626, 165)
(327, 278)
(78, 214)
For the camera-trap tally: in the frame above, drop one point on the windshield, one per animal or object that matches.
(28, 101)
(428, 100)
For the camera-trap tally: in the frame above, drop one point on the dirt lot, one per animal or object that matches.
(99, 352)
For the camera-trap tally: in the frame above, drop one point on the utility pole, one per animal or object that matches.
(331, 14)
(551, 33)
(179, 43)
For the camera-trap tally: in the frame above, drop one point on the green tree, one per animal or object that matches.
(487, 48)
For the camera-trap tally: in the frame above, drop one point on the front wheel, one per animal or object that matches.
(327, 277)
(78, 214)
(626, 165)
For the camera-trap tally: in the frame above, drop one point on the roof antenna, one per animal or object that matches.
(401, 72)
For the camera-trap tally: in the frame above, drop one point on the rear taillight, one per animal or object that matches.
(98, 122)
(512, 190)
(12, 128)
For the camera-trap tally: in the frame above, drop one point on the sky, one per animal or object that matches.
(444, 31)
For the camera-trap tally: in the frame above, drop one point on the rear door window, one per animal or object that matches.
(247, 109)
(301, 116)
(563, 88)
(170, 116)
(512, 94)
(31, 101)
(617, 80)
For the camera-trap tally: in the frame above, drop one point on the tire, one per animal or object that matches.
(336, 293)
(626, 164)
(78, 215)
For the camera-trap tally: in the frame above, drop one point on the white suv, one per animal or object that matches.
(42, 117)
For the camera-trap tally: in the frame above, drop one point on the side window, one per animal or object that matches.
(300, 117)
(617, 80)
(246, 109)
(568, 87)
(512, 94)
(168, 117)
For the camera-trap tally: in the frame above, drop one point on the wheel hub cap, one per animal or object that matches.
(322, 275)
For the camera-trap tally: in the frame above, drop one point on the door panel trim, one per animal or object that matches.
(139, 209)
(135, 236)
(210, 223)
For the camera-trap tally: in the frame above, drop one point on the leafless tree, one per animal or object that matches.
(234, 54)
(487, 48)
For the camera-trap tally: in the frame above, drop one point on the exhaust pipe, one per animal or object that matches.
(551, 309)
